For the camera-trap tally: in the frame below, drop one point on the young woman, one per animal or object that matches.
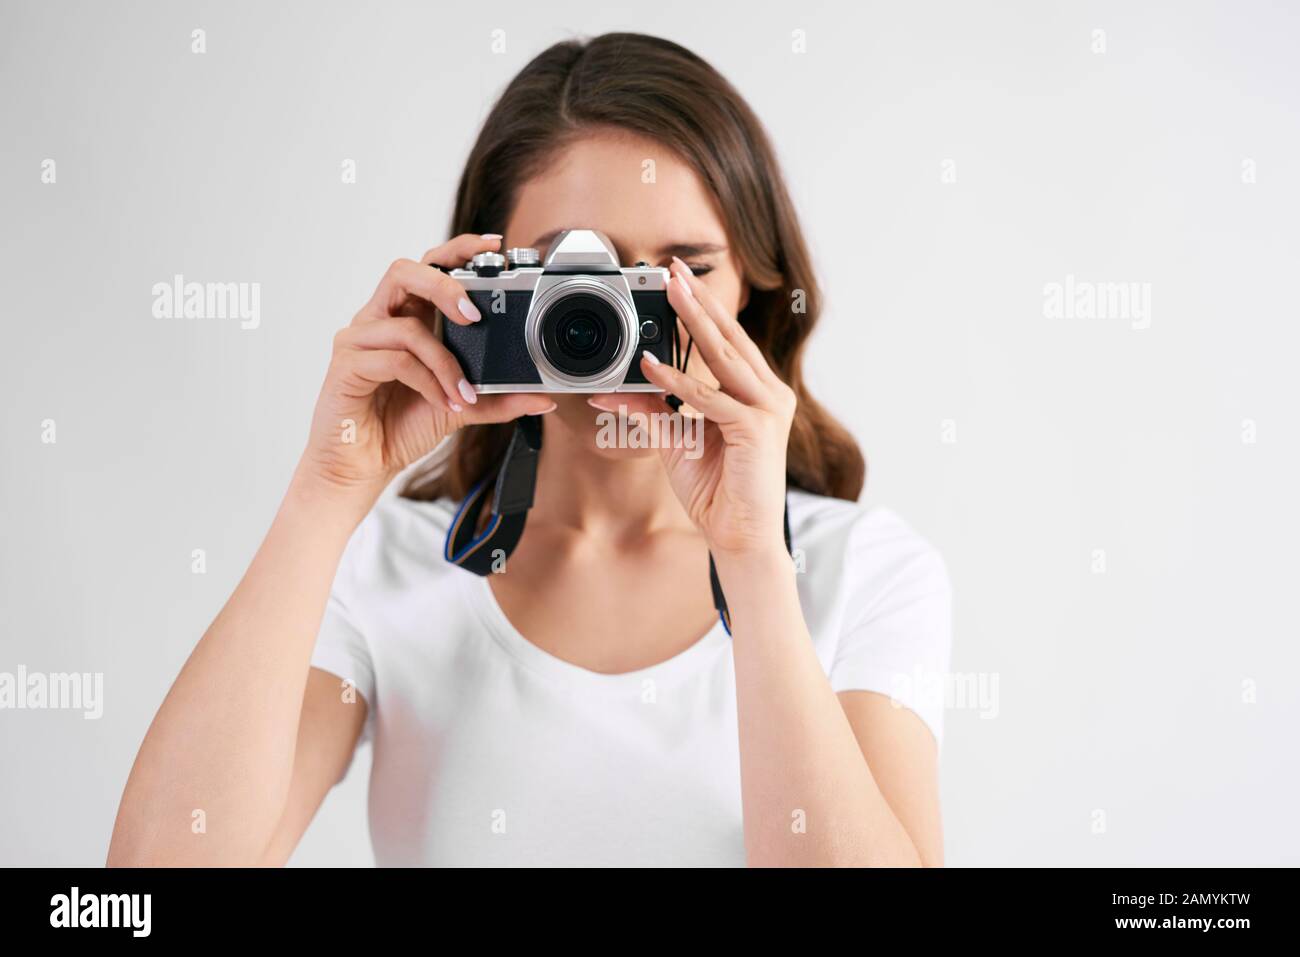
(586, 705)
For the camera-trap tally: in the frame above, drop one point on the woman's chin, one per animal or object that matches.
(619, 453)
(600, 432)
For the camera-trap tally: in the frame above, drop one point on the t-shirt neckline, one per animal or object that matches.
(478, 591)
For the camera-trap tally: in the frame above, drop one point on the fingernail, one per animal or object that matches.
(491, 236)
(651, 357)
(549, 408)
(467, 310)
(455, 407)
(467, 391)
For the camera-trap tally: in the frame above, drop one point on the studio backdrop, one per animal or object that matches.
(1058, 245)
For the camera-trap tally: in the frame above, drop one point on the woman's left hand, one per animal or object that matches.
(731, 475)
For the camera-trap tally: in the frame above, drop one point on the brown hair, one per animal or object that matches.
(657, 89)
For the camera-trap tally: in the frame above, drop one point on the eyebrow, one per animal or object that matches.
(667, 252)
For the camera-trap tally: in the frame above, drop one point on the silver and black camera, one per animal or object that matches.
(574, 322)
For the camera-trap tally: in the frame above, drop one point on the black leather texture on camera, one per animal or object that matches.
(491, 351)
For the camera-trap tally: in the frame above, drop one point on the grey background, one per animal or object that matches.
(1120, 692)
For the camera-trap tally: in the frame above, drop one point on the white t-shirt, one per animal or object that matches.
(490, 751)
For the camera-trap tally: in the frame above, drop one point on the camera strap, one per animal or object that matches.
(512, 496)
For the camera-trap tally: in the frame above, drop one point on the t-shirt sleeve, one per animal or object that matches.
(897, 633)
(341, 647)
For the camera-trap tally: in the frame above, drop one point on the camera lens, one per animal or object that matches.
(581, 335)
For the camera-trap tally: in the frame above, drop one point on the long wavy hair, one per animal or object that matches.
(657, 89)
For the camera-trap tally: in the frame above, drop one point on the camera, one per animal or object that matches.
(575, 321)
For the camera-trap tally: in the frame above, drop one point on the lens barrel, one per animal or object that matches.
(581, 334)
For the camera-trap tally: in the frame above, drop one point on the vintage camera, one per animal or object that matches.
(574, 322)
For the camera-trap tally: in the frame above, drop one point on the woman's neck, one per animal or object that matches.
(616, 496)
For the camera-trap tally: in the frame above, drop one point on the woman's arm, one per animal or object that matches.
(807, 782)
(328, 729)
(806, 757)
(212, 778)
(228, 773)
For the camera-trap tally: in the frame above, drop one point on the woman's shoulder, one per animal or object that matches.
(399, 536)
(399, 518)
(868, 548)
(877, 601)
(871, 546)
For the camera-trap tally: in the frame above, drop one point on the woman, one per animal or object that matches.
(586, 705)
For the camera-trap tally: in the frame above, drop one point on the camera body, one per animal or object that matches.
(574, 322)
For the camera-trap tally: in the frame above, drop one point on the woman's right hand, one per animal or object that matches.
(393, 391)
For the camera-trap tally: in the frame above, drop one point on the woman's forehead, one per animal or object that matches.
(644, 197)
